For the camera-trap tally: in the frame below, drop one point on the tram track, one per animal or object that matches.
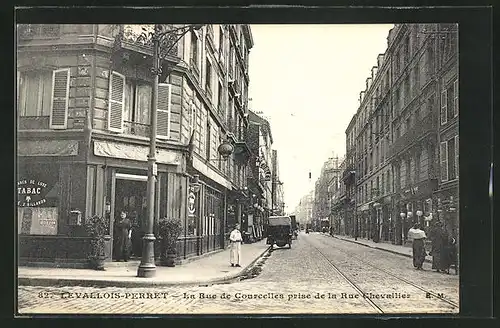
(363, 293)
(349, 281)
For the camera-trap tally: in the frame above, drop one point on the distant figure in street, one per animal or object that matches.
(439, 241)
(418, 236)
(122, 235)
(235, 252)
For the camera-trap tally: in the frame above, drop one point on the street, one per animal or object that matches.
(319, 274)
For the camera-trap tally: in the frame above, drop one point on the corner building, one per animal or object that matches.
(84, 106)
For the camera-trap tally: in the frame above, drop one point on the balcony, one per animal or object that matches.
(135, 38)
(423, 128)
(348, 173)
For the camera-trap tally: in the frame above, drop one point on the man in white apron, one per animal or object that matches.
(235, 252)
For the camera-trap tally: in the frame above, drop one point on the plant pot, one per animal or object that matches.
(170, 259)
(97, 262)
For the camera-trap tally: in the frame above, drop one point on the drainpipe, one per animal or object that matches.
(90, 110)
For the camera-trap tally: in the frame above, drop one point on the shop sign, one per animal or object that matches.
(30, 193)
(191, 203)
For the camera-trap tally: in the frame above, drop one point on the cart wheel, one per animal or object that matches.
(289, 246)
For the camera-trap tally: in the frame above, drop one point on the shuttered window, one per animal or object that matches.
(60, 99)
(444, 160)
(444, 107)
(455, 98)
(456, 157)
(163, 110)
(116, 103)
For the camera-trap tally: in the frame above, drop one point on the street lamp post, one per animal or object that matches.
(158, 37)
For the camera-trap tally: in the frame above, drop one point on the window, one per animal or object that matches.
(35, 92)
(397, 99)
(455, 98)
(231, 62)
(192, 117)
(208, 144)
(208, 77)
(417, 168)
(407, 95)
(457, 167)
(222, 49)
(194, 49)
(382, 184)
(416, 79)
(388, 182)
(137, 102)
(430, 62)
(408, 172)
(222, 107)
(449, 102)
(448, 158)
(396, 62)
(407, 49)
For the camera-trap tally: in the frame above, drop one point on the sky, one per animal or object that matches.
(306, 80)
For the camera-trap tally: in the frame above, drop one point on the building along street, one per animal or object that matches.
(319, 274)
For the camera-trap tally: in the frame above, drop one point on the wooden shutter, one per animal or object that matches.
(60, 99)
(116, 103)
(163, 110)
(444, 160)
(455, 98)
(444, 107)
(18, 75)
(457, 166)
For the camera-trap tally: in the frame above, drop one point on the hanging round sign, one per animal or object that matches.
(191, 203)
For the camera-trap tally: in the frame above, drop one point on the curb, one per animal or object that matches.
(71, 282)
(379, 248)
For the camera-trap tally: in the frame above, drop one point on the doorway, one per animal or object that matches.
(131, 197)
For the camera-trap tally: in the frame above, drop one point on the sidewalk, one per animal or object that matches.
(204, 271)
(396, 249)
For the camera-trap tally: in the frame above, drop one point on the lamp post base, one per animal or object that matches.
(146, 271)
(147, 268)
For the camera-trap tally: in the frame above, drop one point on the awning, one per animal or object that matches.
(134, 152)
(47, 148)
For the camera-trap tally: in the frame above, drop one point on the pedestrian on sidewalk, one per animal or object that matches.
(418, 236)
(439, 241)
(235, 252)
(123, 234)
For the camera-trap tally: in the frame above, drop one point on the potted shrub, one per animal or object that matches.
(169, 230)
(97, 228)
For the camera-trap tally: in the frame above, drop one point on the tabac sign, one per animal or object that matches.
(31, 193)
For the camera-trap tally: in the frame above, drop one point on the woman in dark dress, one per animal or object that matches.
(122, 235)
(439, 241)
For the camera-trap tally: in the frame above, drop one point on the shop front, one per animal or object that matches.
(415, 205)
(51, 177)
(447, 200)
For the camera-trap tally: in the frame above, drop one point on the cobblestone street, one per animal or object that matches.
(298, 280)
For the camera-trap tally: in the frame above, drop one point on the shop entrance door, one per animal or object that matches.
(130, 196)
